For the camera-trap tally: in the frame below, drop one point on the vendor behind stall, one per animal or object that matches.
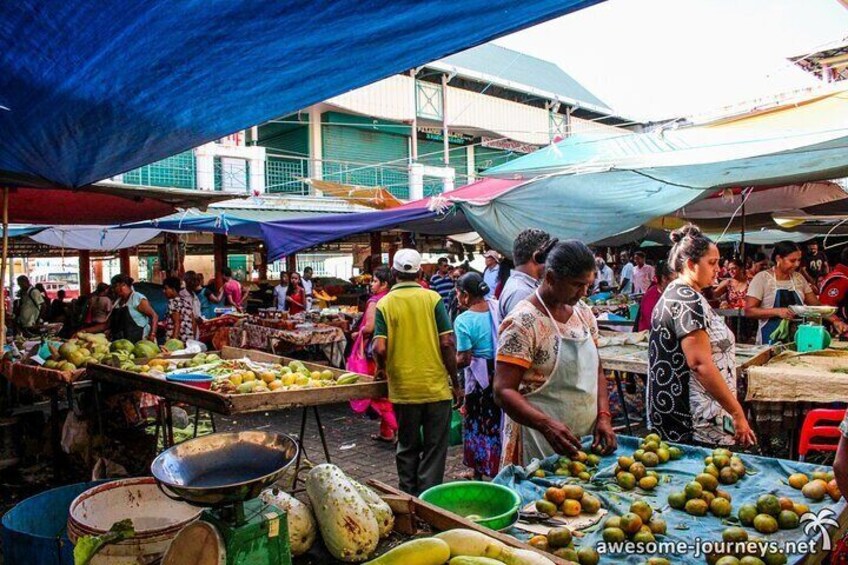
(771, 292)
(548, 377)
(132, 317)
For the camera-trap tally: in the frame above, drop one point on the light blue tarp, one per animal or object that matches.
(592, 187)
(766, 476)
(90, 89)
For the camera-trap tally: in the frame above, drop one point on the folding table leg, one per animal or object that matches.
(617, 377)
(321, 434)
(301, 447)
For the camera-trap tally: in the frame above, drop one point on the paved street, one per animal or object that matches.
(348, 438)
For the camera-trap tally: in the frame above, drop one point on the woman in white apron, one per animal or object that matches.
(771, 292)
(548, 377)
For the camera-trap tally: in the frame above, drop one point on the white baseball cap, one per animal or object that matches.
(491, 253)
(407, 261)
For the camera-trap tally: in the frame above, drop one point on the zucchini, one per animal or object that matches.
(424, 551)
(468, 543)
(347, 379)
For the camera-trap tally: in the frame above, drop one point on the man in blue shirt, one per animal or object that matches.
(493, 267)
(442, 282)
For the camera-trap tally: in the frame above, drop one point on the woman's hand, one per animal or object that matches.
(839, 326)
(785, 313)
(560, 437)
(605, 440)
(745, 436)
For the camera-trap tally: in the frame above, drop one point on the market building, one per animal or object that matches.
(469, 112)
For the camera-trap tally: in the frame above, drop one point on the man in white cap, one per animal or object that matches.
(493, 267)
(414, 349)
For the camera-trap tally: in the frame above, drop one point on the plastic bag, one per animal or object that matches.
(75, 437)
(192, 347)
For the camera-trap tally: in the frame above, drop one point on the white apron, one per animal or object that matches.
(570, 394)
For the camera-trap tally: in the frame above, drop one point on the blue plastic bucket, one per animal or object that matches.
(34, 530)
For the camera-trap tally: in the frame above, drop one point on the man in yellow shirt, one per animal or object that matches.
(414, 349)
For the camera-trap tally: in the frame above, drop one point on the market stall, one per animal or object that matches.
(230, 393)
(627, 353)
(685, 476)
(784, 385)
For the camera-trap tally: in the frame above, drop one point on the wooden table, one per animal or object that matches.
(232, 404)
(633, 359)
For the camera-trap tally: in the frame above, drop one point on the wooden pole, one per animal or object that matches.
(85, 272)
(124, 256)
(263, 266)
(3, 265)
(219, 253)
(291, 263)
(376, 249)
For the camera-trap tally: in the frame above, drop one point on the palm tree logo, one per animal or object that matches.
(818, 524)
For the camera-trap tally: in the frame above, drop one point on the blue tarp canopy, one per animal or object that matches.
(91, 89)
(229, 221)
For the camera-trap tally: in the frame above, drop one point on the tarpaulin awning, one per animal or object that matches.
(591, 188)
(432, 216)
(91, 89)
(371, 196)
(229, 221)
(101, 205)
(92, 238)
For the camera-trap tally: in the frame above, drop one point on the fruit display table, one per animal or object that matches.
(763, 476)
(783, 386)
(309, 399)
(623, 353)
(330, 339)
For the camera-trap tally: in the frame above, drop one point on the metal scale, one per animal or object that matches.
(812, 335)
(225, 473)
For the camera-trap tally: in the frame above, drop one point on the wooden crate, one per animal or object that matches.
(241, 403)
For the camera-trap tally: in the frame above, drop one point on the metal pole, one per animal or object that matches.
(3, 264)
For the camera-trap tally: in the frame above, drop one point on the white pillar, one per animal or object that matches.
(257, 176)
(470, 167)
(449, 179)
(205, 163)
(316, 144)
(416, 181)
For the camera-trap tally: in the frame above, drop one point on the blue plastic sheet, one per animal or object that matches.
(766, 475)
(90, 89)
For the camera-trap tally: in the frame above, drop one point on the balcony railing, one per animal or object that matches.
(284, 175)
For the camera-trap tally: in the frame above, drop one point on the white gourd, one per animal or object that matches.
(347, 524)
(301, 524)
(382, 511)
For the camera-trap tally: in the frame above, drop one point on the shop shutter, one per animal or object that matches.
(352, 152)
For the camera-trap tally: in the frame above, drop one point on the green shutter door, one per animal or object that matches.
(352, 151)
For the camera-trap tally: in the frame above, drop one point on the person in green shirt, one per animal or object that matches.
(415, 350)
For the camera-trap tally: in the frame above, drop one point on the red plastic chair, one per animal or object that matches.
(821, 423)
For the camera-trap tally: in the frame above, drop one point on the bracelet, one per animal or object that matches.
(606, 413)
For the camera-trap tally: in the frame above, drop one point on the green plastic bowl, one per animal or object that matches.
(493, 506)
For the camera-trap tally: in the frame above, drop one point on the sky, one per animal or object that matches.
(659, 59)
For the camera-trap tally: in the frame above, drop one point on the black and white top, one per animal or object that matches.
(678, 407)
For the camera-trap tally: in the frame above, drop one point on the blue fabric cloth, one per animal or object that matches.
(765, 475)
(94, 89)
(473, 332)
(290, 236)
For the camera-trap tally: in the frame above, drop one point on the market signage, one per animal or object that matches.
(436, 134)
(508, 145)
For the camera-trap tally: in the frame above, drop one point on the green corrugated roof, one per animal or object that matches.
(520, 68)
